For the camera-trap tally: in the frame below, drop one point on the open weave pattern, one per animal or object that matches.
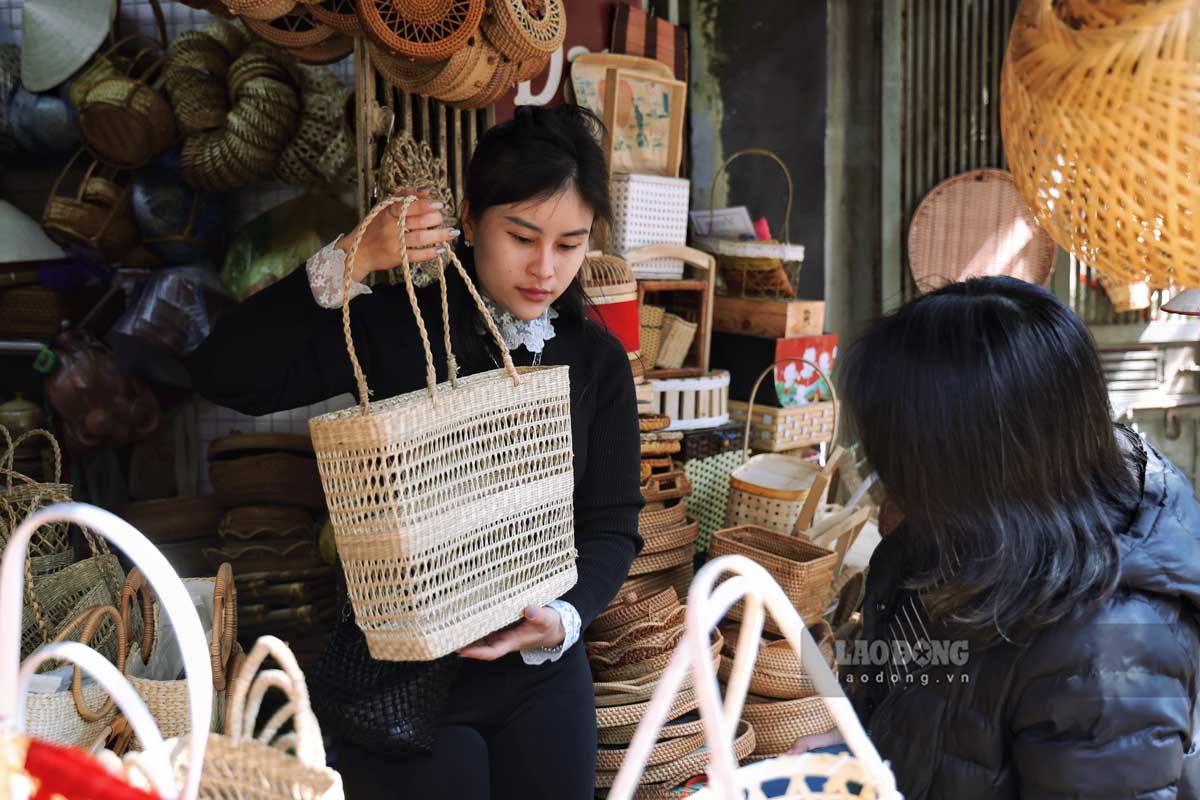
(451, 505)
(421, 30)
(526, 29)
(1102, 131)
(812, 776)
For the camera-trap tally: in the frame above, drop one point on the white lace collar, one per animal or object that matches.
(533, 333)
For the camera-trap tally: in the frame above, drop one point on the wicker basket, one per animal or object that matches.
(778, 429)
(341, 15)
(420, 30)
(126, 122)
(682, 535)
(1098, 114)
(769, 491)
(407, 76)
(649, 209)
(708, 442)
(804, 570)
(295, 29)
(671, 486)
(677, 337)
(612, 289)
(778, 672)
(693, 403)
(259, 9)
(265, 522)
(754, 268)
(20, 496)
(779, 723)
(473, 476)
(97, 218)
(650, 324)
(526, 31)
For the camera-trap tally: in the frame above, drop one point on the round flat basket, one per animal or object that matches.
(779, 723)
(658, 517)
(686, 725)
(295, 29)
(629, 608)
(684, 535)
(406, 75)
(504, 77)
(693, 764)
(976, 224)
(423, 30)
(619, 716)
(658, 562)
(610, 757)
(341, 15)
(467, 73)
(330, 51)
(526, 29)
(259, 9)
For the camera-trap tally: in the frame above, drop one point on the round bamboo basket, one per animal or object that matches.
(680, 536)
(295, 29)
(668, 775)
(611, 757)
(468, 75)
(526, 30)
(423, 30)
(341, 15)
(649, 423)
(1099, 117)
(93, 220)
(502, 80)
(259, 9)
(629, 609)
(659, 562)
(406, 75)
(657, 517)
(330, 51)
(126, 122)
(779, 723)
(686, 725)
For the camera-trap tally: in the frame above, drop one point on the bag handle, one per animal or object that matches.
(137, 587)
(754, 393)
(246, 695)
(153, 762)
(91, 619)
(707, 605)
(750, 151)
(224, 624)
(430, 373)
(10, 454)
(175, 602)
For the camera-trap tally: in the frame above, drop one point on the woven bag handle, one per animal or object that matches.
(91, 619)
(754, 393)
(224, 624)
(10, 455)
(707, 605)
(246, 695)
(750, 151)
(175, 602)
(430, 373)
(137, 587)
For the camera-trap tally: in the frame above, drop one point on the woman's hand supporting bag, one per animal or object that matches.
(541, 628)
(380, 248)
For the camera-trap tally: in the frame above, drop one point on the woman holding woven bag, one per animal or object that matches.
(518, 719)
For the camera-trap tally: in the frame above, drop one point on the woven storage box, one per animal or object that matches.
(804, 570)
(649, 209)
(768, 491)
(650, 325)
(693, 402)
(677, 337)
(708, 442)
(451, 505)
(775, 430)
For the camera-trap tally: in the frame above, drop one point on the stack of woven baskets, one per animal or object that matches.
(466, 53)
(270, 490)
(783, 704)
(629, 646)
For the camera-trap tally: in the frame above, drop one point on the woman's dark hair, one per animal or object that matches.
(983, 409)
(536, 155)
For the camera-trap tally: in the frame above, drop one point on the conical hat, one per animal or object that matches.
(60, 36)
(22, 239)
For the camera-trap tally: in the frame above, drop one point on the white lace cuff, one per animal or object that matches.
(571, 624)
(326, 274)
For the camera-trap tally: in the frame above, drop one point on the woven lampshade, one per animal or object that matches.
(1099, 114)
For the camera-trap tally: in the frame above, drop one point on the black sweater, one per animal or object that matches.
(279, 350)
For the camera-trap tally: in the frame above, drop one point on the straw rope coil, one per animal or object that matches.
(1100, 122)
(236, 105)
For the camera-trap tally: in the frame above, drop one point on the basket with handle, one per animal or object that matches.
(744, 581)
(779, 429)
(154, 762)
(753, 268)
(22, 495)
(451, 506)
(267, 764)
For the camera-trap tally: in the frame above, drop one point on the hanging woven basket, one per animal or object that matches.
(526, 30)
(296, 29)
(467, 73)
(96, 219)
(126, 122)
(1099, 117)
(422, 30)
(407, 76)
(341, 15)
(503, 78)
(259, 9)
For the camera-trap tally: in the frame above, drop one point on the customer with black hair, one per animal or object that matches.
(520, 721)
(1039, 604)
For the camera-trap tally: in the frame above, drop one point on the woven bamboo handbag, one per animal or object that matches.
(154, 762)
(862, 775)
(451, 506)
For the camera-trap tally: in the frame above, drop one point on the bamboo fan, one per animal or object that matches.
(1099, 116)
(526, 30)
(422, 30)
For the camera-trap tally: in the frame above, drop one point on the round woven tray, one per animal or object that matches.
(670, 486)
(526, 29)
(259, 9)
(659, 517)
(265, 522)
(678, 579)
(659, 562)
(675, 772)
(629, 609)
(661, 448)
(423, 30)
(619, 716)
(681, 536)
(610, 757)
(652, 665)
(341, 15)
(779, 723)
(467, 73)
(408, 76)
(660, 632)
(685, 725)
(648, 423)
(610, 694)
(503, 78)
(330, 51)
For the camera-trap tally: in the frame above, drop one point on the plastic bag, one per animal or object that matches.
(176, 310)
(270, 246)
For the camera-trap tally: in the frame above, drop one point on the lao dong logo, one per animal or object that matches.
(882, 652)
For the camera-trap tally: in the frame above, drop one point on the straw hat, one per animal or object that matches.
(59, 37)
(23, 239)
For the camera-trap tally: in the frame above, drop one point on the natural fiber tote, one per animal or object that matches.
(863, 775)
(451, 506)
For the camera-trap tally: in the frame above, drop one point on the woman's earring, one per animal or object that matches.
(467, 242)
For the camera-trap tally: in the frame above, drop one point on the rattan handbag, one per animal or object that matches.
(452, 506)
(1099, 117)
(863, 775)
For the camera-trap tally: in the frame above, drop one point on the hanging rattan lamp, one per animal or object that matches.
(422, 30)
(1100, 111)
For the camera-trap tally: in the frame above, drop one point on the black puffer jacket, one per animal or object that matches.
(1102, 707)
